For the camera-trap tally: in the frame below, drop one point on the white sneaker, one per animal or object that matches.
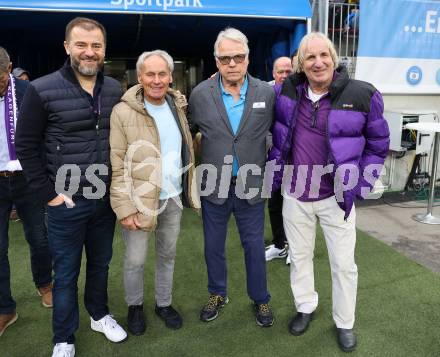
(110, 328)
(288, 258)
(273, 252)
(63, 350)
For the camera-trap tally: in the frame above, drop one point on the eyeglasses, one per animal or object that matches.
(227, 59)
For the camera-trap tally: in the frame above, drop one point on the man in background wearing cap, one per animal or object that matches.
(14, 189)
(21, 73)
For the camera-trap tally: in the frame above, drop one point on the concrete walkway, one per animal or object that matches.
(392, 224)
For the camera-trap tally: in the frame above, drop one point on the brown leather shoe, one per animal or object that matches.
(7, 320)
(46, 295)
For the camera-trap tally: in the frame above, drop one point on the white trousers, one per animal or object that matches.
(340, 236)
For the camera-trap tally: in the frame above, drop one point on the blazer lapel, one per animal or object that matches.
(217, 96)
(250, 98)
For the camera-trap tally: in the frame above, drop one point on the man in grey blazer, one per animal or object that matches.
(233, 111)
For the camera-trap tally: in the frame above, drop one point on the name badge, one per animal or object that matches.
(259, 105)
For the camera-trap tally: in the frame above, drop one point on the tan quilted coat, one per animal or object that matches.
(135, 158)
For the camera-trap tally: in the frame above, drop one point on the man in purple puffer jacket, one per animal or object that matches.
(331, 140)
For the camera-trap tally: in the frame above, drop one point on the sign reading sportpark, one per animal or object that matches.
(399, 45)
(293, 9)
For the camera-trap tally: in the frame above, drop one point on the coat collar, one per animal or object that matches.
(340, 81)
(69, 74)
(134, 97)
(217, 97)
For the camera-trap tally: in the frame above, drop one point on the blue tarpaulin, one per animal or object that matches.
(274, 28)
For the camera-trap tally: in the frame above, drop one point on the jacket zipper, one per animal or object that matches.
(58, 158)
(330, 158)
(98, 138)
(186, 191)
(315, 113)
(292, 125)
(159, 178)
(98, 141)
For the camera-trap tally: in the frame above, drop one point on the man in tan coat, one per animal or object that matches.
(153, 168)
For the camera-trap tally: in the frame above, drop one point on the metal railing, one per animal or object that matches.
(343, 31)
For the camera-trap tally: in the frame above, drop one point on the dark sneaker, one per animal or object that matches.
(210, 310)
(136, 320)
(263, 315)
(170, 316)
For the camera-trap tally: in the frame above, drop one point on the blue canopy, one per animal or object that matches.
(287, 9)
(274, 28)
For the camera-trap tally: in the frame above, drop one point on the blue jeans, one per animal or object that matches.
(250, 224)
(15, 190)
(91, 223)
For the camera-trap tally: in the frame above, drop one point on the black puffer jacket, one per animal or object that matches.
(71, 125)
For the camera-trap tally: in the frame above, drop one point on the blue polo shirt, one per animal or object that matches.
(234, 109)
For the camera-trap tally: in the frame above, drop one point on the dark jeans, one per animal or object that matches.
(275, 206)
(15, 190)
(250, 223)
(91, 223)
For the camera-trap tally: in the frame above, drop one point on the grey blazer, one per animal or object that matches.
(207, 114)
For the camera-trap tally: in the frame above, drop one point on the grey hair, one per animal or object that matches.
(303, 47)
(232, 34)
(5, 60)
(163, 54)
(278, 60)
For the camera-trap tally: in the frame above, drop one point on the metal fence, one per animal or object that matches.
(343, 30)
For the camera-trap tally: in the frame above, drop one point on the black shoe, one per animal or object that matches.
(210, 310)
(263, 315)
(346, 339)
(299, 324)
(136, 320)
(170, 316)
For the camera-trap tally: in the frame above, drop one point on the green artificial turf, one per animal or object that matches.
(398, 311)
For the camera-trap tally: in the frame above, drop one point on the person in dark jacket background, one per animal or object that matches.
(14, 189)
(69, 111)
(24, 75)
(21, 73)
(330, 132)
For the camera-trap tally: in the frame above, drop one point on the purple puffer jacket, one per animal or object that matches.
(357, 133)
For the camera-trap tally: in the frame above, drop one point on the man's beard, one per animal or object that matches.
(86, 70)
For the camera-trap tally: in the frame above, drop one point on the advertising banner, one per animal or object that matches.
(399, 45)
(294, 9)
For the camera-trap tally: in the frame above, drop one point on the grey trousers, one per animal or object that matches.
(136, 243)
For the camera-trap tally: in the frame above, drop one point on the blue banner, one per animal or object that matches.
(243, 8)
(399, 45)
(400, 28)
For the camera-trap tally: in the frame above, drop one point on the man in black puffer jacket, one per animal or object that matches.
(69, 112)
